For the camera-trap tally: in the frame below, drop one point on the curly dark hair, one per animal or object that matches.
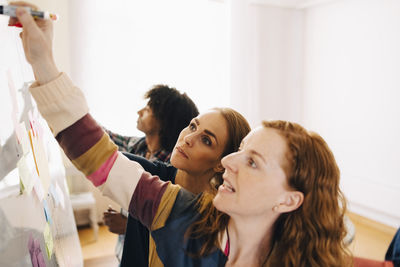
(173, 110)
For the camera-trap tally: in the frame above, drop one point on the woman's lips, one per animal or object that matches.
(180, 150)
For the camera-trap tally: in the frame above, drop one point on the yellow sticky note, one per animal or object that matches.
(40, 155)
(48, 240)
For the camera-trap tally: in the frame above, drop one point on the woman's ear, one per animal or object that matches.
(293, 201)
(218, 168)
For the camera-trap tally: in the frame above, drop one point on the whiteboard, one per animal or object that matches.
(33, 228)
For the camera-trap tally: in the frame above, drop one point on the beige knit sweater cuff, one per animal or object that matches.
(60, 102)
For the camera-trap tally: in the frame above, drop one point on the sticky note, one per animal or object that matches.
(60, 195)
(27, 171)
(41, 161)
(35, 123)
(57, 194)
(40, 259)
(48, 240)
(23, 137)
(35, 252)
(38, 189)
(21, 187)
(32, 250)
(47, 211)
(17, 148)
(53, 193)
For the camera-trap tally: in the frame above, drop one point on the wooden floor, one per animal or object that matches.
(371, 241)
(98, 253)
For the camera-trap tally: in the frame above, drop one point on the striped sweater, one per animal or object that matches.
(147, 198)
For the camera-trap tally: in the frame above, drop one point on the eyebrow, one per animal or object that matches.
(253, 152)
(207, 131)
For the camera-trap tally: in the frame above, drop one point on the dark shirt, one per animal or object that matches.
(169, 211)
(393, 253)
(136, 246)
(137, 146)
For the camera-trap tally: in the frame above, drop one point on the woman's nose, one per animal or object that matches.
(189, 139)
(230, 162)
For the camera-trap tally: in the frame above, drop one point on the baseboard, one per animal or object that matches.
(374, 216)
(383, 228)
(372, 199)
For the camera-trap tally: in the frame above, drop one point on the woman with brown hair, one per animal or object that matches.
(279, 204)
(195, 165)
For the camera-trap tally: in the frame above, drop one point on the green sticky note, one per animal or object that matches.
(48, 240)
(21, 187)
(27, 171)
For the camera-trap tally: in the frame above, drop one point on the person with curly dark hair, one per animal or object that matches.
(173, 110)
(167, 112)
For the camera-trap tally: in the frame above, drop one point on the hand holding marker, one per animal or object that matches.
(10, 11)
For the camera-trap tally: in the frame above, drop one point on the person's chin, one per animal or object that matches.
(175, 160)
(218, 203)
(180, 162)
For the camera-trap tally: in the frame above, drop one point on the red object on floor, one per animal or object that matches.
(362, 262)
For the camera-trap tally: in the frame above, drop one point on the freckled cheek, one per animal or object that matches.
(250, 188)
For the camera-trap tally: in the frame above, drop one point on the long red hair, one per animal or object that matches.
(313, 234)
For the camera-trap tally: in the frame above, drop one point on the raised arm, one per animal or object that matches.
(65, 109)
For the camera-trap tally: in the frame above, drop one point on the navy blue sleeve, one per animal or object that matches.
(165, 171)
(136, 245)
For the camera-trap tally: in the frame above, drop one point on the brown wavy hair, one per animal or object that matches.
(313, 234)
(238, 128)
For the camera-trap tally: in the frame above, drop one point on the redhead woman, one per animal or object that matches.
(278, 204)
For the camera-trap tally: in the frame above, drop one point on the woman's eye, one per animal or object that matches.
(206, 141)
(192, 126)
(252, 163)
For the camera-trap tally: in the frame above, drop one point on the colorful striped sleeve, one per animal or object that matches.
(152, 201)
(83, 140)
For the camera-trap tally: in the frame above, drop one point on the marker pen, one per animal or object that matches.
(10, 11)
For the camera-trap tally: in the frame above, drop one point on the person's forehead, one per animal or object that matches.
(266, 141)
(213, 121)
(212, 116)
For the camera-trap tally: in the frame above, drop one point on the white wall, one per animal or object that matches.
(119, 54)
(332, 66)
(266, 61)
(351, 93)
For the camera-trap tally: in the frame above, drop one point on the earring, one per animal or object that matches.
(275, 208)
